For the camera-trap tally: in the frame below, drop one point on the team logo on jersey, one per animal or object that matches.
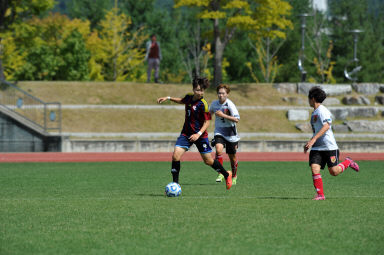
(194, 107)
(314, 118)
(333, 159)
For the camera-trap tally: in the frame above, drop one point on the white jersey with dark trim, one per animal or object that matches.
(225, 127)
(319, 117)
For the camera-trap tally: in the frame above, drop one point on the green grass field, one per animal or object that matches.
(120, 208)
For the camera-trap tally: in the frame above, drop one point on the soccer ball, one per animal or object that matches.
(173, 189)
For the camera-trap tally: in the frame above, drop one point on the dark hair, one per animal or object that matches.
(318, 94)
(152, 35)
(223, 86)
(202, 82)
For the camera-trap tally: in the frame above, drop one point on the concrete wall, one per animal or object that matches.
(69, 145)
(16, 137)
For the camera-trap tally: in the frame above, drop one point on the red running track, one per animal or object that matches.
(163, 156)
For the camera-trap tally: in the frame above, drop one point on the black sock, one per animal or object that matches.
(219, 168)
(175, 171)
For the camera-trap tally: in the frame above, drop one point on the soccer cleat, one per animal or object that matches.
(220, 178)
(353, 164)
(234, 179)
(319, 197)
(228, 181)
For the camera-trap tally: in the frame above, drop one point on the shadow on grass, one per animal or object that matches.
(284, 198)
(199, 184)
(150, 195)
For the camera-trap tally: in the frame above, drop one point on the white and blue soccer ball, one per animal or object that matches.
(173, 189)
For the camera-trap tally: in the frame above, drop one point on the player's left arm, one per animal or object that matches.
(321, 132)
(173, 99)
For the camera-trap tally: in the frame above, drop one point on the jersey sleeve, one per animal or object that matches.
(325, 117)
(185, 99)
(205, 110)
(233, 110)
(211, 107)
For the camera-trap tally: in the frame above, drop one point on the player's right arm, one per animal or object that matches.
(173, 99)
(319, 134)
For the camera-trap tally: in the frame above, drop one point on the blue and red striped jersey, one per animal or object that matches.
(196, 113)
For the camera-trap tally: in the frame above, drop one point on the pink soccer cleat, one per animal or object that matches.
(319, 197)
(353, 164)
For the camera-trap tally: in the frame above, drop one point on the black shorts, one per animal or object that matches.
(331, 158)
(230, 148)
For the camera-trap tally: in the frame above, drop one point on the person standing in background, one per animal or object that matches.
(153, 56)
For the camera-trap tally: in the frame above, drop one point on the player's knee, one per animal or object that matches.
(333, 172)
(208, 161)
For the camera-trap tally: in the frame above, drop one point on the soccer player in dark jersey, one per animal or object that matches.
(197, 119)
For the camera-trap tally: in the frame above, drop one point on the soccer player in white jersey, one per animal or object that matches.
(225, 134)
(324, 149)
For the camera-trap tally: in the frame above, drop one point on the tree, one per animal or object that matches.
(13, 60)
(138, 11)
(272, 19)
(54, 48)
(14, 11)
(115, 49)
(75, 56)
(289, 51)
(347, 15)
(92, 10)
(321, 45)
(228, 16)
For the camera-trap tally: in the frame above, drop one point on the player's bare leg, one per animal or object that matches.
(335, 170)
(348, 162)
(215, 164)
(178, 152)
(317, 182)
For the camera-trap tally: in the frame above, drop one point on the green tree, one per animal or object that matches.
(289, 51)
(15, 11)
(348, 15)
(139, 11)
(168, 25)
(266, 41)
(117, 51)
(54, 48)
(232, 13)
(228, 16)
(75, 56)
(92, 10)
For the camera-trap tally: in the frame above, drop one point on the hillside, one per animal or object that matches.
(125, 120)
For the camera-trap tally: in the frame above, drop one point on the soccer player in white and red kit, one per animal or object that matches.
(324, 149)
(197, 120)
(225, 134)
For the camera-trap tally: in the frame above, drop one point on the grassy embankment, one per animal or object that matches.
(162, 120)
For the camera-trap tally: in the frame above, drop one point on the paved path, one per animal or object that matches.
(181, 107)
(243, 135)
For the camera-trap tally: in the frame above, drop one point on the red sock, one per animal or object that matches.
(344, 165)
(219, 158)
(318, 183)
(234, 168)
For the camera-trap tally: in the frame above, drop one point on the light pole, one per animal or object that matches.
(300, 62)
(351, 75)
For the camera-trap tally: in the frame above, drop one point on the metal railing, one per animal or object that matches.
(45, 115)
